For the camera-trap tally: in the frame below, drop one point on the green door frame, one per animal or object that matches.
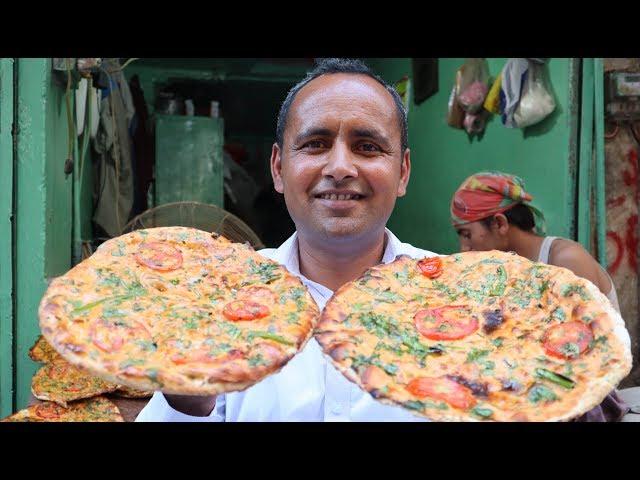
(6, 236)
(585, 165)
(30, 212)
(43, 204)
(591, 194)
(35, 213)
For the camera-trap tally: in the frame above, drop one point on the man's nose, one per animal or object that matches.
(340, 163)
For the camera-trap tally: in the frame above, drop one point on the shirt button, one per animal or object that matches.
(337, 409)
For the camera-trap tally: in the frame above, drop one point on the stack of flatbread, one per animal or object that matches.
(69, 393)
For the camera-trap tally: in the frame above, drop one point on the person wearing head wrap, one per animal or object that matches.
(487, 193)
(493, 211)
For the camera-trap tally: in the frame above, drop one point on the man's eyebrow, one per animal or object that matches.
(372, 134)
(312, 132)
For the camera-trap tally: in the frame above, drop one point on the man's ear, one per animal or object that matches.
(501, 224)
(276, 168)
(405, 173)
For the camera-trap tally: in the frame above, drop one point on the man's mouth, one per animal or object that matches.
(339, 196)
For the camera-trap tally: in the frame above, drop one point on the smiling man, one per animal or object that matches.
(341, 160)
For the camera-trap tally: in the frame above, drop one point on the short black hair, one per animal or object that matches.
(519, 215)
(325, 66)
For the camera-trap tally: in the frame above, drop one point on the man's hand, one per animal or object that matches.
(196, 406)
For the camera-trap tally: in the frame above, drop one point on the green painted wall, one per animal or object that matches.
(43, 206)
(6, 237)
(442, 157)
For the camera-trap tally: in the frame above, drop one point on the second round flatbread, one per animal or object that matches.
(478, 335)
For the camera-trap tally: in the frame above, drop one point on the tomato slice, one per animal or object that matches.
(431, 267)
(240, 310)
(132, 371)
(262, 294)
(106, 340)
(159, 256)
(49, 410)
(109, 337)
(567, 340)
(433, 324)
(442, 388)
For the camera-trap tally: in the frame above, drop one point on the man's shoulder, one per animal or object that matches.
(270, 253)
(415, 252)
(403, 248)
(283, 253)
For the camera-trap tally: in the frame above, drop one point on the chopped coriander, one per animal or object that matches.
(540, 393)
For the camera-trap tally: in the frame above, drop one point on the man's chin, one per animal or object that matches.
(344, 229)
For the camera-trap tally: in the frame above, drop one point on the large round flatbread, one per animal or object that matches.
(478, 335)
(179, 310)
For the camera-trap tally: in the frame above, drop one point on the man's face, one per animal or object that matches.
(341, 167)
(477, 236)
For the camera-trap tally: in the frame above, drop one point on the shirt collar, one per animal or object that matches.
(287, 253)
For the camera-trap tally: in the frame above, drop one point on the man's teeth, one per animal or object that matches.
(333, 196)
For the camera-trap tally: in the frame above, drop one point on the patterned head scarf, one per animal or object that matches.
(488, 193)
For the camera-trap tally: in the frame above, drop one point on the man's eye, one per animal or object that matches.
(313, 144)
(369, 147)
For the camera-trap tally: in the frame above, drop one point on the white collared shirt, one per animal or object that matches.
(308, 388)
